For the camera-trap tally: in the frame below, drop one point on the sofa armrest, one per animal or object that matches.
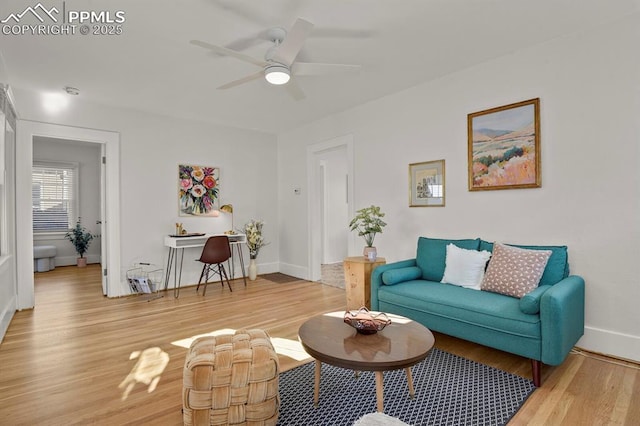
(561, 318)
(376, 278)
(530, 302)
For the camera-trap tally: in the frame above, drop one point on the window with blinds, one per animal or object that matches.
(55, 196)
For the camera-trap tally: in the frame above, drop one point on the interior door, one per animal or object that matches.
(103, 214)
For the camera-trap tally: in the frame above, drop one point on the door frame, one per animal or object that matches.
(104, 202)
(26, 130)
(314, 201)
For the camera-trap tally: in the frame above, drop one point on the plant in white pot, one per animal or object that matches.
(80, 238)
(368, 222)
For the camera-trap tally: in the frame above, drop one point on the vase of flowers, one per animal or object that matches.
(255, 241)
(80, 238)
(368, 222)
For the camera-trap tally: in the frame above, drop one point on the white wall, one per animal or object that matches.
(87, 156)
(151, 148)
(589, 87)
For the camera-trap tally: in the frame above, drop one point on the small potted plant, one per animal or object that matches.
(368, 222)
(80, 238)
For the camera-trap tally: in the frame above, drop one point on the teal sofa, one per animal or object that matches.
(543, 325)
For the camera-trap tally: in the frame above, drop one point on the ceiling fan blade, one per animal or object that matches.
(304, 68)
(245, 12)
(228, 52)
(294, 90)
(290, 47)
(250, 41)
(243, 80)
(334, 32)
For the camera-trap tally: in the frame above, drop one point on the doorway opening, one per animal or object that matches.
(66, 189)
(109, 143)
(330, 166)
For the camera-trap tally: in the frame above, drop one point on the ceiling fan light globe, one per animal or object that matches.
(277, 74)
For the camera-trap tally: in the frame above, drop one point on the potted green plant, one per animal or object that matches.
(80, 238)
(368, 222)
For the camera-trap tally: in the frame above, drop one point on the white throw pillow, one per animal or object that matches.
(464, 267)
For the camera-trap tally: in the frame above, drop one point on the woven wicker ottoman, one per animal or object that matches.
(231, 380)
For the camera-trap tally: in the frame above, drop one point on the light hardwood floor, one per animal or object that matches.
(62, 363)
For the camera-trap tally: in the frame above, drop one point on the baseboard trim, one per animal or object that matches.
(73, 260)
(611, 343)
(577, 350)
(7, 315)
(301, 272)
(265, 268)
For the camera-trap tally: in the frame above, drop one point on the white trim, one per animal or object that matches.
(314, 205)
(2, 148)
(8, 307)
(293, 270)
(24, 226)
(73, 260)
(609, 342)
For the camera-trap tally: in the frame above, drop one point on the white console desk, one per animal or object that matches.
(176, 243)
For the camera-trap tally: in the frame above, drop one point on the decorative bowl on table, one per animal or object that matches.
(365, 321)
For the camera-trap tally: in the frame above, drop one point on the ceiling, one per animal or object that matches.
(152, 66)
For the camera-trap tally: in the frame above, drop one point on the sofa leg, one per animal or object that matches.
(536, 366)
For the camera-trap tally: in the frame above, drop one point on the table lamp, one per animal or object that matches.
(228, 208)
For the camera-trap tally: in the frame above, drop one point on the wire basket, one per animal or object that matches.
(145, 278)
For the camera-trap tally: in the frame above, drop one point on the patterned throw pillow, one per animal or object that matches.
(514, 271)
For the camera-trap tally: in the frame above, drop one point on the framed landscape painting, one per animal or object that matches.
(426, 184)
(198, 188)
(504, 147)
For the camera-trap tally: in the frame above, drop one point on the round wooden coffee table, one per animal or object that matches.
(400, 345)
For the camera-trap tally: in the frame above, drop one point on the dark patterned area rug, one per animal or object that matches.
(449, 390)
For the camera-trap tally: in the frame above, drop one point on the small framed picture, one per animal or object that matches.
(504, 147)
(426, 184)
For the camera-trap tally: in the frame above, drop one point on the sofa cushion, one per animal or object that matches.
(514, 271)
(432, 252)
(465, 267)
(557, 267)
(530, 302)
(484, 309)
(395, 276)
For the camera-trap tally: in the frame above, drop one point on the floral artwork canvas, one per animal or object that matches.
(198, 188)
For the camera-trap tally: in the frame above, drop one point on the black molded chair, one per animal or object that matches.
(215, 252)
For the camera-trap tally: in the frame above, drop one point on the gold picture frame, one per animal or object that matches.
(504, 147)
(427, 184)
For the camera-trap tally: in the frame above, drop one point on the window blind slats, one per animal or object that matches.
(54, 197)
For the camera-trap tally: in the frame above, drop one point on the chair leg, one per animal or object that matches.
(220, 275)
(207, 277)
(223, 274)
(201, 275)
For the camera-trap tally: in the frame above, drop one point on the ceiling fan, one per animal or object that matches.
(279, 63)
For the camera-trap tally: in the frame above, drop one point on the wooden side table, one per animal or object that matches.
(357, 277)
